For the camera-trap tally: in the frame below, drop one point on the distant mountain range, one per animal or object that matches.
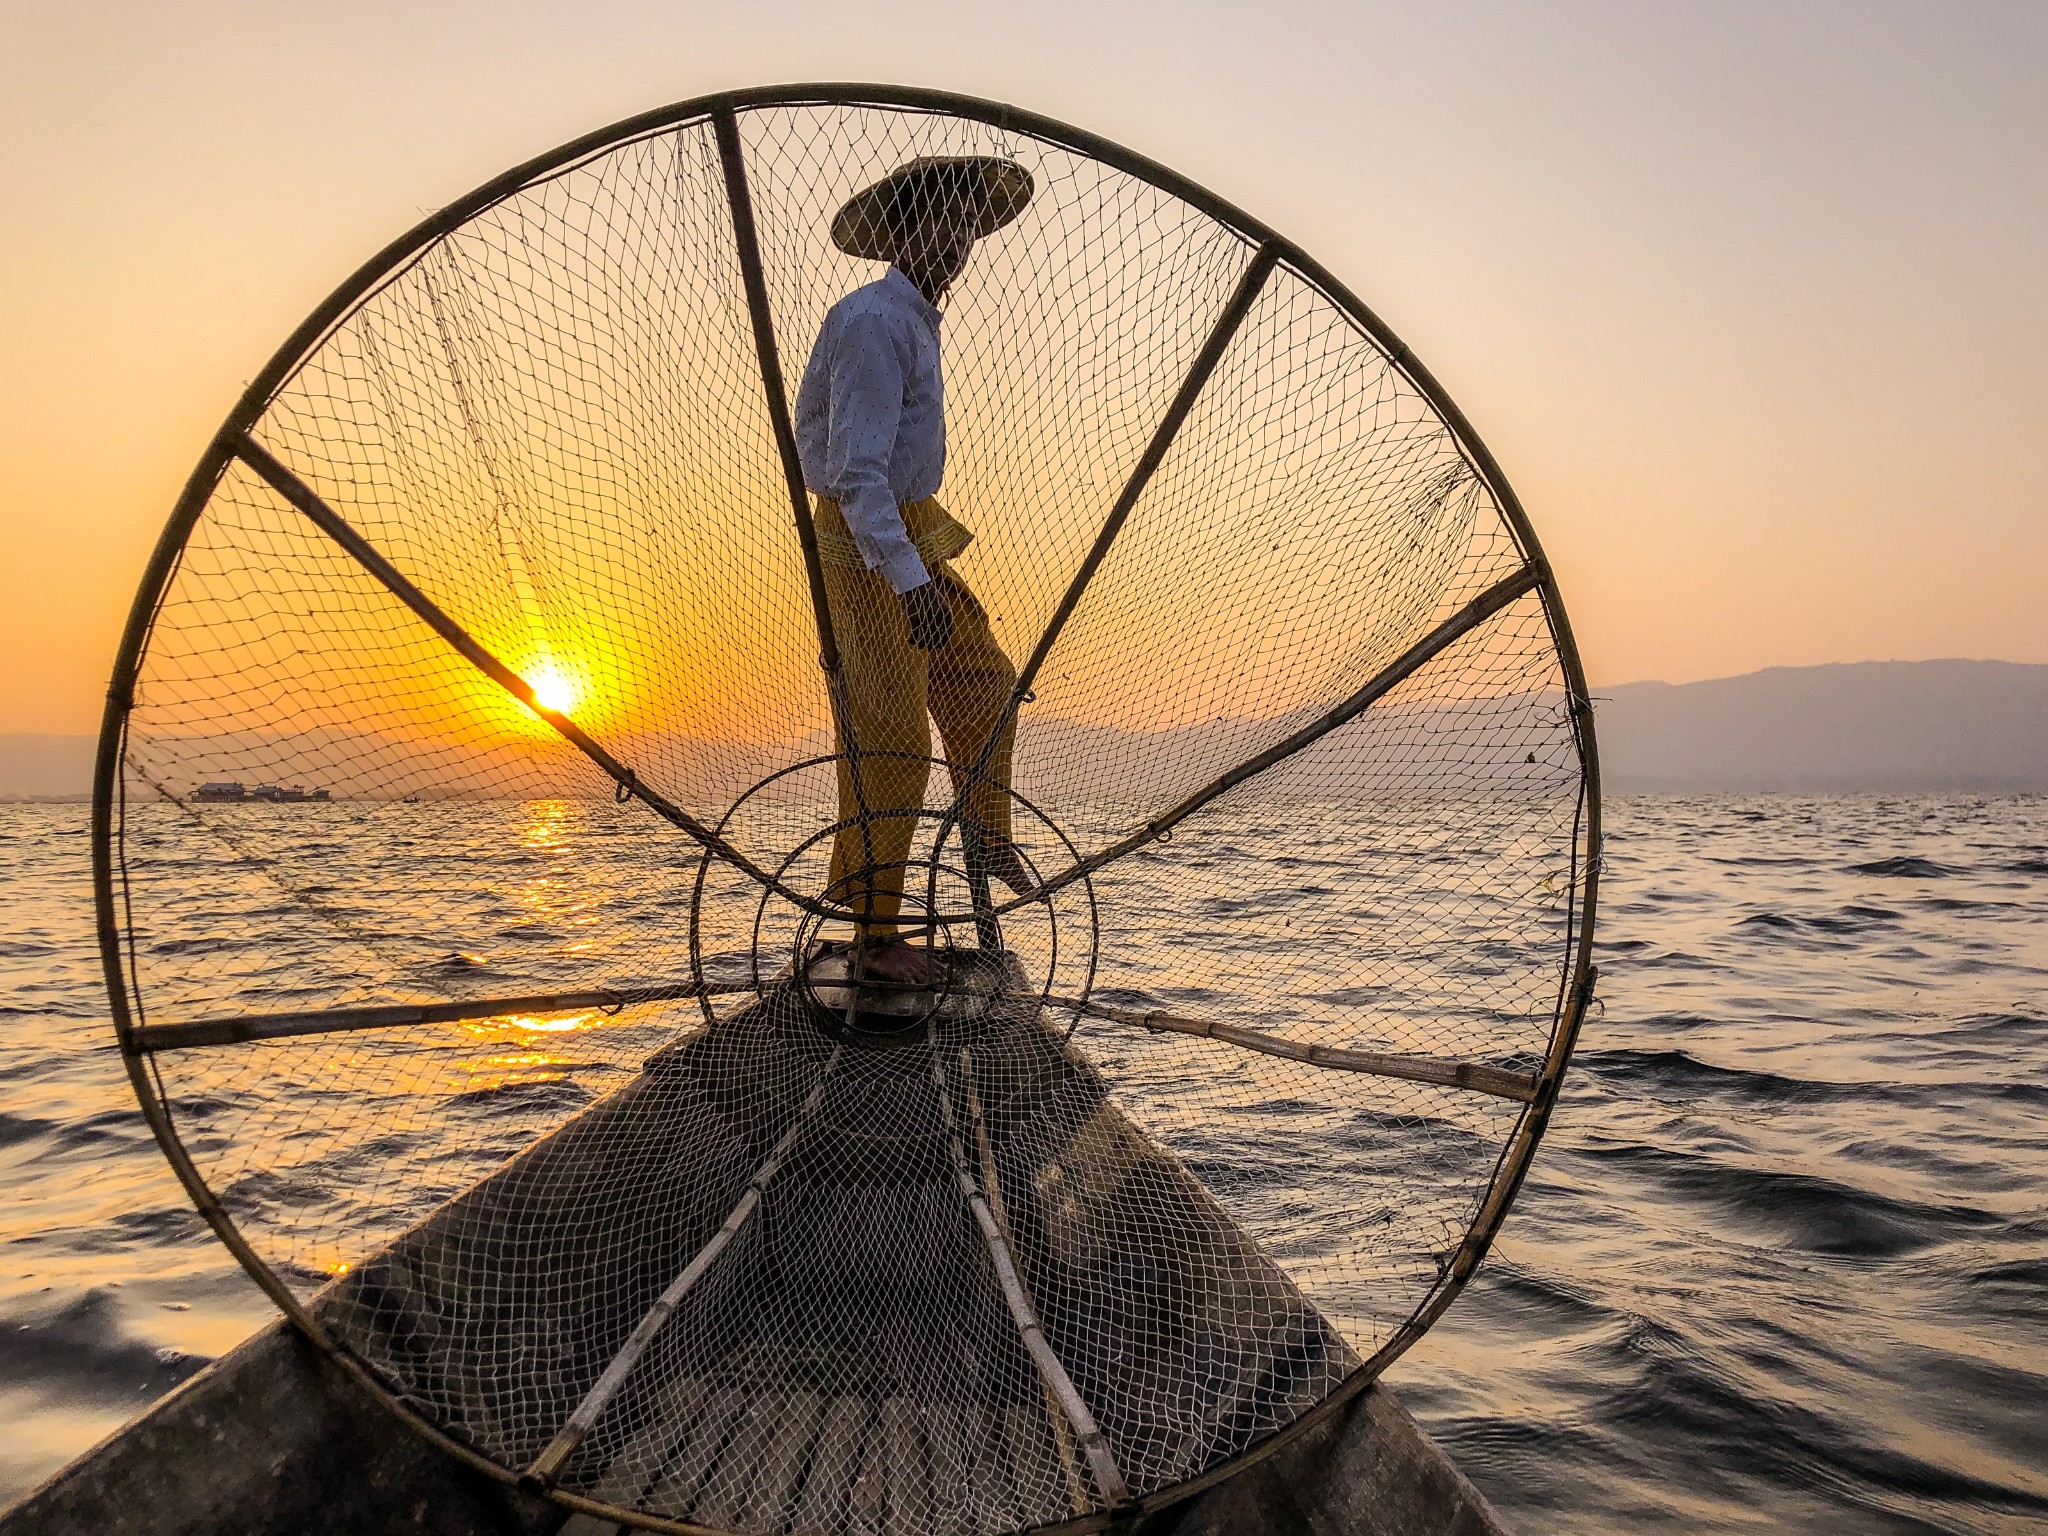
(38, 766)
(1898, 726)
(1902, 726)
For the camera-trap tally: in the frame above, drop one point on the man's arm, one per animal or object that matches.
(867, 406)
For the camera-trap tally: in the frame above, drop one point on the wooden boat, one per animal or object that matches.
(739, 1428)
(276, 1440)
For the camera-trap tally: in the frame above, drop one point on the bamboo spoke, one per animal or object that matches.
(725, 127)
(746, 241)
(330, 522)
(243, 1028)
(1087, 1434)
(1391, 676)
(1499, 1081)
(548, 1465)
(1249, 286)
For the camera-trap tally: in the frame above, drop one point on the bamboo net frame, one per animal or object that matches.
(1219, 372)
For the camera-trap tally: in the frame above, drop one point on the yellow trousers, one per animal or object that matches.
(891, 686)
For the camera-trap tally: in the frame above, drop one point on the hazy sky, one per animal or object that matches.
(1747, 298)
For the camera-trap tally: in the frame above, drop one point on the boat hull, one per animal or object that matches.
(280, 1437)
(275, 1440)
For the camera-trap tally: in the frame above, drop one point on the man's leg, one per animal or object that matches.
(885, 702)
(971, 682)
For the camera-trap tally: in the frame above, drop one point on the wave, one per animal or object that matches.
(2025, 1275)
(1538, 1301)
(1677, 1072)
(1818, 1215)
(17, 1129)
(1964, 904)
(1905, 867)
(1851, 919)
(1755, 1404)
(538, 1096)
(1673, 1074)
(1997, 1025)
(81, 1354)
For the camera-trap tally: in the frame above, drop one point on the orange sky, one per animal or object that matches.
(1748, 299)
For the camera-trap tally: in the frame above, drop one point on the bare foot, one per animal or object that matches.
(894, 960)
(1007, 865)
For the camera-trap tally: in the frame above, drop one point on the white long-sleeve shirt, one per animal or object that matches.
(871, 419)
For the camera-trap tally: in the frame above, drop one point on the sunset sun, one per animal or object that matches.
(554, 691)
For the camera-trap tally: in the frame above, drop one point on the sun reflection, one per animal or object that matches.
(560, 1026)
(544, 829)
(510, 1060)
(515, 1069)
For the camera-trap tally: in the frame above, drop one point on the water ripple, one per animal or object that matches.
(1781, 1266)
(1783, 1263)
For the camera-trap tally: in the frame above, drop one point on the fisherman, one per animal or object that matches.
(871, 432)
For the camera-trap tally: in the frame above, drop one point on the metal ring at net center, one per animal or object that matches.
(989, 977)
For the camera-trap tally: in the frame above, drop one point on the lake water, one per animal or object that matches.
(1782, 1264)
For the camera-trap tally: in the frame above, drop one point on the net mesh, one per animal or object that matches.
(643, 1187)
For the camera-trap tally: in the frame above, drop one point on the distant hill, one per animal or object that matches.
(38, 766)
(1902, 726)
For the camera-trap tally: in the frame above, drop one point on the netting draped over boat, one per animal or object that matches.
(475, 923)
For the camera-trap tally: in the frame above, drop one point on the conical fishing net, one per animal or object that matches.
(507, 744)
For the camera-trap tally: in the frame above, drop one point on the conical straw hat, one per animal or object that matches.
(861, 227)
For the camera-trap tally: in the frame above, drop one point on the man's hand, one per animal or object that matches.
(930, 616)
